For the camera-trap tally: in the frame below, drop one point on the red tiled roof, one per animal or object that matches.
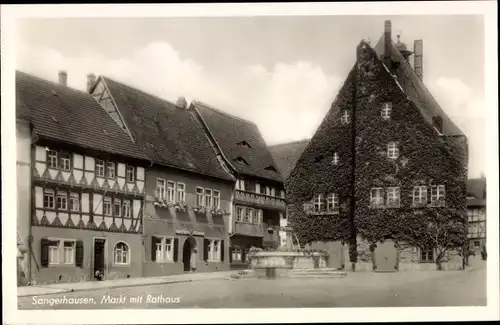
(286, 155)
(231, 134)
(68, 115)
(169, 134)
(420, 95)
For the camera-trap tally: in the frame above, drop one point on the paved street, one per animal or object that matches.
(451, 288)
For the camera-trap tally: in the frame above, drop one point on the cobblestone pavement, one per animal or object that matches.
(452, 288)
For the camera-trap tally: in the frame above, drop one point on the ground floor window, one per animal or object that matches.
(121, 253)
(426, 255)
(58, 251)
(162, 249)
(54, 253)
(214, 250)
(477, 243)
(236, 254)
(69, 252)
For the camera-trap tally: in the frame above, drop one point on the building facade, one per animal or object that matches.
(187, 193)
(476, 214)
(384, 176)
(258, 201)
(81, 187)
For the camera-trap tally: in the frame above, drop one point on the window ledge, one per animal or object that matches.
(120, 265)
(318, 213)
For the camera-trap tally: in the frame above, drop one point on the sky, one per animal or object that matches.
(281, 72)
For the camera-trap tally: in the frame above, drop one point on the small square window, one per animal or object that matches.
(386, 111)
(392, 150)
(52, 159)
(345, 117)
(65, 159)
(335, 160)
(130, 174)
(74, 202)
(99, 168)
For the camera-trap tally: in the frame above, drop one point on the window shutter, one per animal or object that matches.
(206, 243)
(154, 241)
(176, 249)
(230, 255)
(44, 252)
(79, 254)
(222, 251)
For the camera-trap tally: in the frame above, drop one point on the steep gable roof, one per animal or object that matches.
(68, 115)
(169, 134)
(419, 93)
(240, 142)
(286, 155)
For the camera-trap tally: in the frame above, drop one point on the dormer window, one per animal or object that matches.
(244, 144)
(392, 150)
(386, 111)
(345, 117)
(241, 160)
(270, 168)
(335, 159)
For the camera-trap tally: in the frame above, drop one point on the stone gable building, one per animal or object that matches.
(382, 183)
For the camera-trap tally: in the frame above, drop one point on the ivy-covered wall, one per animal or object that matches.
(425, 158)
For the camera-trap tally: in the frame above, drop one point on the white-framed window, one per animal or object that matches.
(74, 202)
(107, 206)
(48, 199)
(236, 254)
(257, 219)
(121, 253)
(419, 195)
(239, 214)
(345, 117)
(240, 184)
(216, 199)
(130, 174)
(117, 208)
(160, 188)
(426, 255)
(257, 188)
(52, 159)
(393, 196)
(99, 168)
(111, 170)
(208, 198)
(386, 111)
(164, 249)
(54, 252)
(437, 193)
(126, 209)
(65, 159)
(319, 203)
(170, 191)
(332, 201)
(335, 159)
(181, 192)
(199, 197)
(62, 201)
(214, 250)
(69, 252)
(392, 150)
(377, 197)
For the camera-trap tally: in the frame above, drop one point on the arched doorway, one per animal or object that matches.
(189, 254)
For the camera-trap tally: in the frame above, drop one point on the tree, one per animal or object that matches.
(446, 230)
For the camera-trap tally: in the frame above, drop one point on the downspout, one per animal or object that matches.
(30, 233)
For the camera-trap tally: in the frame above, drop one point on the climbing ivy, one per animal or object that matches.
(425, 158)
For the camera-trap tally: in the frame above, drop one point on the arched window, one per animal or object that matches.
(121, 253)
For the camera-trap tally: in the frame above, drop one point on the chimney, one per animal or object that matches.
(182, 102)
(63, 78)
(418, 50)
(90, 81)
(387, 44)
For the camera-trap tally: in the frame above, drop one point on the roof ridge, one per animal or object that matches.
(142, 91)
(197, 102)
(288, 143)
(53, 82)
